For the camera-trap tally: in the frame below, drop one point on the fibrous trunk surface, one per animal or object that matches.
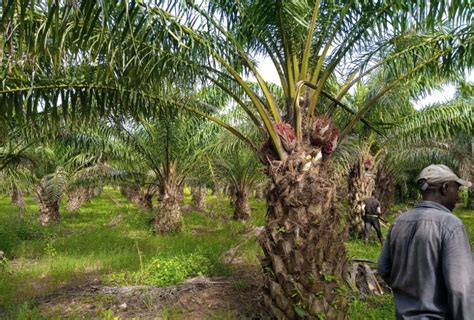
(168, 218)
(147, 201)
(18, 198)
(304, 261)
(470, 192)
(132, 193)
(76, 198)
(48, 208)
(384, 189)
(199, 198)
(260, 191)
(136, 195)
(361, 184)
(241, 205)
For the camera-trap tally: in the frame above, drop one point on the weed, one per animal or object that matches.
(108, 315)
(49, 249)
(223, 315)
(5, 266)
(171, 313)
(372, 308)
(27, 311)
(166, 271)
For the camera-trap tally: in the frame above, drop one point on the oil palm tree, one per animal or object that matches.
(50, 166)
(123, 51)
(404, 127)
(199, 179)
(163, 150)
(240, 171)
(441, 134)
(60, 169)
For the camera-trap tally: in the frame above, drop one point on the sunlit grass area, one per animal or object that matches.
(107, 238)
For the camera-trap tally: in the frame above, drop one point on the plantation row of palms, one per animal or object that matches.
(140, 93)
(146, 159)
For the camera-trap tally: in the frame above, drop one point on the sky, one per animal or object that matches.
(446, 93)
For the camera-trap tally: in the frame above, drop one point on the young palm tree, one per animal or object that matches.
(198, 179)
(240, 171)
(59, 169)
(122, 52)
(15, 162)
(164, 149)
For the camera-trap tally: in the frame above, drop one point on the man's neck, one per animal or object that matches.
(435, 198)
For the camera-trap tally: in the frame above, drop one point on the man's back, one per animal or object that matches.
(371, 206)
(427, 261)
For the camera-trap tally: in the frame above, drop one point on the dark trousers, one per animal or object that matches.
(372, 221)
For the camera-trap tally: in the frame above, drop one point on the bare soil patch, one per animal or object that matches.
(238, 295)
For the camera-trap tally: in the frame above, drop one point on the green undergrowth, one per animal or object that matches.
(372, 308)
(112, 240)
(467, 217)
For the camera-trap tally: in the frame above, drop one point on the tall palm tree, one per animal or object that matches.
(122, 51)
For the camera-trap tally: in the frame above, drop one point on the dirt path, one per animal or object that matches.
(234, 297)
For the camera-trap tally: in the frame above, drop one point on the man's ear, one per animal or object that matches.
(444, 189)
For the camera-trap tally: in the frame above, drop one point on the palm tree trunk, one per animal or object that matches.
(216, 189)
(304, 259)
(232, 195)
(361, 185)
(168, 218)
(470, 198)
(97, 191)
(147, 201)
(260, 191)
(75, 199)
(199, 198)
(470, 191)
(180, 194)
(241, 205)
(88, 194)
(18, 198)
(384, 189)
(131, 192)
(48, 208)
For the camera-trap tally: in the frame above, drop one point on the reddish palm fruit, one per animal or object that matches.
(368, 163)
(287, 135)
(331, 141)
(285, 131)
(320, 130)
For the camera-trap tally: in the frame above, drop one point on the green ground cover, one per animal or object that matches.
(112, 240)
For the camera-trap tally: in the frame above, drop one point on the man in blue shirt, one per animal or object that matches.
(426, 258)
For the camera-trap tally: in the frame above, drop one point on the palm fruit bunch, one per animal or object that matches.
(368, 163)
(324, 134)
(287, 135)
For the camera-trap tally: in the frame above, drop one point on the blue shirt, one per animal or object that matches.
(427, 261)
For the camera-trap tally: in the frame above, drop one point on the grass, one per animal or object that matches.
(85, 245)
